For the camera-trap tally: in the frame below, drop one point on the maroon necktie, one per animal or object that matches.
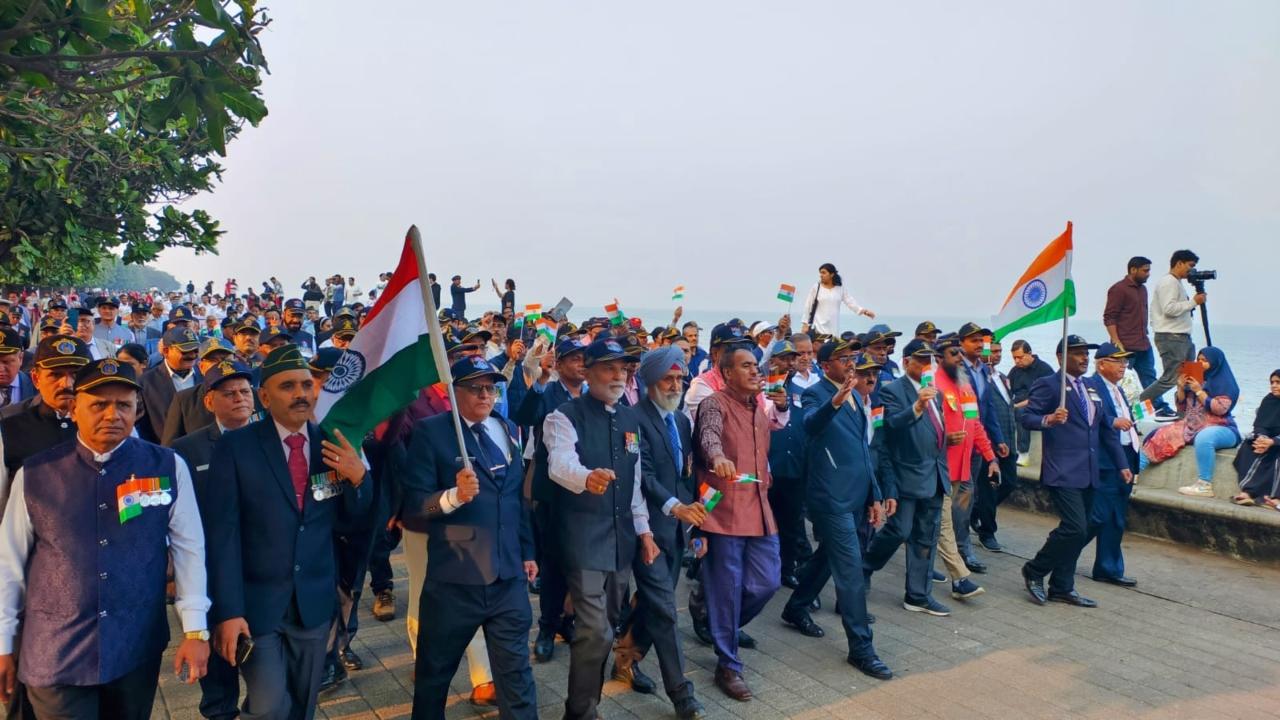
(297, 465)
(933, 418)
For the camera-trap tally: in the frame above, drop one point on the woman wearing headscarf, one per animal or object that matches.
(822, 307)
(1206, 424)
(1258, 462)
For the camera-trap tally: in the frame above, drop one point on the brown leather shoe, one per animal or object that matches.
(484, 695)
(732, 684)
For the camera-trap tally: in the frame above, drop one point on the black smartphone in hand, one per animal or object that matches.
(244, 647)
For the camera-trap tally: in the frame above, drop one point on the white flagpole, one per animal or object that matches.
(437, 342)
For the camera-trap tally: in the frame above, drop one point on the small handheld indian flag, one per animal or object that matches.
(786, 293)
(129, 500)
(519, 321)
(709, 496)
(927, 375)
(986, 346)
(615, 314)
(877, 417)
(969, 403)
(678, 293)
(775, 383)
(532, 312)
(547, 329)
(746, 478)
(1144, 410)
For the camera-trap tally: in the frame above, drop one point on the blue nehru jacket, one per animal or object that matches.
(95, 587)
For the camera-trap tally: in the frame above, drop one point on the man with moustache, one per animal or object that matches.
(188, 411)
(1109, 514)
(44, 420)
(973, 338)
(479, 545)
(741, 568)
(15, 385)
(1126, 319)
(787, 463)
(282, 487)
(1075, 434)
(294, 313)
(228, 398)
(246, 336)
(666, 469)
(842, 488)
(131, 502)
(164, 381)
(599, 514)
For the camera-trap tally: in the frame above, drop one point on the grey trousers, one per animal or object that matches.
(598, 598)
(1175, 349)
(282, 676)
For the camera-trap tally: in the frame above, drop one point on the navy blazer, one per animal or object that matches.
(1112, 414)
(196, 448)
(786, 446)
(986, 407)
(1071, 451)
(485, 540)
(842, 474)
(263, 553)
(659, 479)
(917, 449)
(534, 408)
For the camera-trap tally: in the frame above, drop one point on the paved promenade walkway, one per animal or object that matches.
(1198, 639)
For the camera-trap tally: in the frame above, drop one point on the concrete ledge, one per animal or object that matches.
(1158, 510)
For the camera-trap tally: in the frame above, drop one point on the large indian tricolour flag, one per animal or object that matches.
(398, 352)
(1044, 293)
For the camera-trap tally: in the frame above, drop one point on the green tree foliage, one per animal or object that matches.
(112, 112)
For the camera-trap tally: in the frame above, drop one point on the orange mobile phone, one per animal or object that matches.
(1193, 370)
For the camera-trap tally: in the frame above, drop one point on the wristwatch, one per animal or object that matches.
(201, 635)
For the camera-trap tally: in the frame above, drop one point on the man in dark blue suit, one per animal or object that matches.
(1111, 499)
(918, 479)
(479, 545)
(1075, 435)
(541, 400)
(161, 383)
(973, 339)
(842, 487)
(15, 386)
(281, 487)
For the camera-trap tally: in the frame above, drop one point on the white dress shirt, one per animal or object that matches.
(1124, 413)
(567, 470)
(1171, 307)
(186, 547)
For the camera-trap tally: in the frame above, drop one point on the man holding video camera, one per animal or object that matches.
(1171, 310)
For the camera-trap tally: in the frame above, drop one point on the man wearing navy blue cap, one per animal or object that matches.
(161, 383)
(1110, 510)
(294, 313)
(106, 326)
(246, 336)
(1075, 435)
(187, 411)
(786, 463)
(227, 396)
(133, 503)
(540, 401)
(479, 545)
(599, 514)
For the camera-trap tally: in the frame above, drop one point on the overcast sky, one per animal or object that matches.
(928, 149)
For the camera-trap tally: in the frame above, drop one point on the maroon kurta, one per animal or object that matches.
(739, 431)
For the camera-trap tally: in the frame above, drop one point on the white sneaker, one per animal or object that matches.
(1199, 489)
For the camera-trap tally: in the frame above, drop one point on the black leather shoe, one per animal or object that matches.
(991, 544)
(746, 641)
(1035, 586)
(702, 629)
(790, 581)
(816, 605)
(544, 648)
(976, 566)
(350, 660)
(334, 675)
(1122, 581)
(632, 675)
(688, 708)
(1072, 598)
(872, 666)
(802, 622)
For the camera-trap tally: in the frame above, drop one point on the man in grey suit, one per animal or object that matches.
(919, 479)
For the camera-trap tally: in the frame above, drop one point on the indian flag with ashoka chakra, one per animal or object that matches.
(398, 352)
(1045, 293)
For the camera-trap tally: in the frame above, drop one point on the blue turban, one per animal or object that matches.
(657, 363)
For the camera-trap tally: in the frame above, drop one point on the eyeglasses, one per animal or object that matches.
(480, 390)
(844, 360)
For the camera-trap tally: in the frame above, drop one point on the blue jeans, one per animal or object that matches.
(1208, 442)
(1144, 363)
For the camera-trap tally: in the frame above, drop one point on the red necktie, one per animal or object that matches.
(297, 465)
(933, 418)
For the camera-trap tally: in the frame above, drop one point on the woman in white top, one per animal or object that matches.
(822, 307)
